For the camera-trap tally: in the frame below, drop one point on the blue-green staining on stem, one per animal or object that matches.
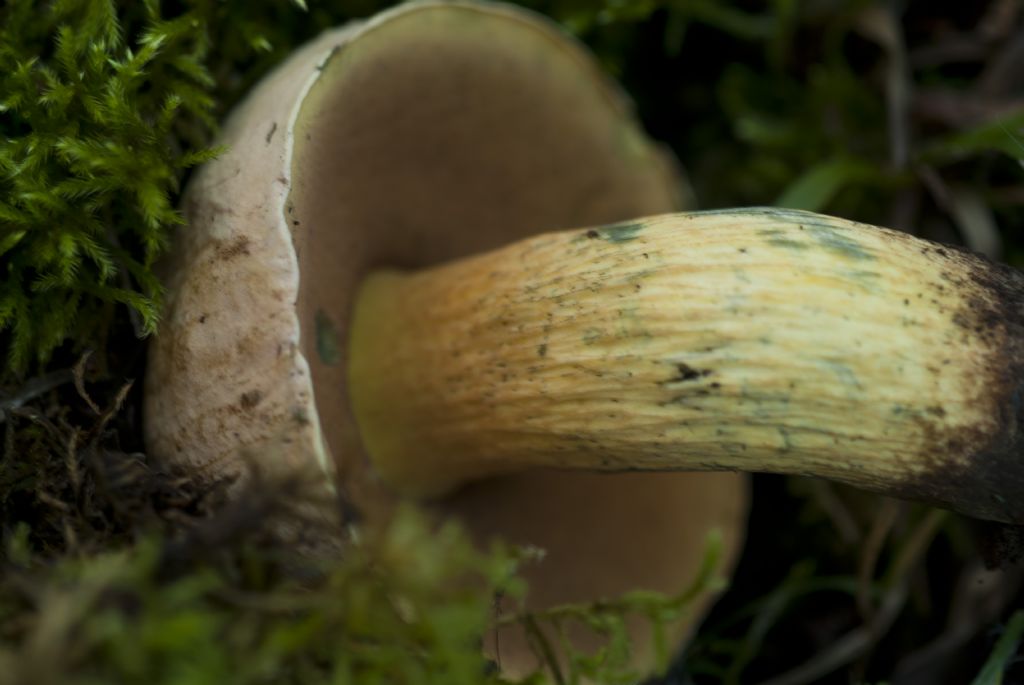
(787, 442)
(869, 281)
(621, 233)
(613, 233)
(838, 242)
(828, 237)
(327, 345)
(637, 276)
(626, 332)
(844, 373)
(300, 416)
(787, 243)
(776, 237)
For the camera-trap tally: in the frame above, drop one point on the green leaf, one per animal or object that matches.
(816, 187)
(993, 136)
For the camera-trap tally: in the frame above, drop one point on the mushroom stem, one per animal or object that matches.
(755, 340)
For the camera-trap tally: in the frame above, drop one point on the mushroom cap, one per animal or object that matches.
(430, 132)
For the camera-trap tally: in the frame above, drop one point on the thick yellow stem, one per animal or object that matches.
(754, 340)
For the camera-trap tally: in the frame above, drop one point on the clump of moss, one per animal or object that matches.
(405, 604)
(89, 163)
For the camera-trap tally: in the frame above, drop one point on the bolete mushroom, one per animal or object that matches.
(740, 340)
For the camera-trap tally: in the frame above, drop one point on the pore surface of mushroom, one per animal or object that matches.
(431, 132)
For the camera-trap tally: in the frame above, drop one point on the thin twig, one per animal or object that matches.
(850, 646)
(860, 640)
(881, 25)
(872, 550)
(824, 494)
(79, 374)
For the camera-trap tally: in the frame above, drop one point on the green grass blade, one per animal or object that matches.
(1003, 653)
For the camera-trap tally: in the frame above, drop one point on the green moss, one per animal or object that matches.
(407, 604)
(91, 129)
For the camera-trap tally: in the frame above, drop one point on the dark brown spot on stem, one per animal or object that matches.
(250, 399)
(238, 247)
(685, 372)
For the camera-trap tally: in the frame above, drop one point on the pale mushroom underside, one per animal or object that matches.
(431, 132)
